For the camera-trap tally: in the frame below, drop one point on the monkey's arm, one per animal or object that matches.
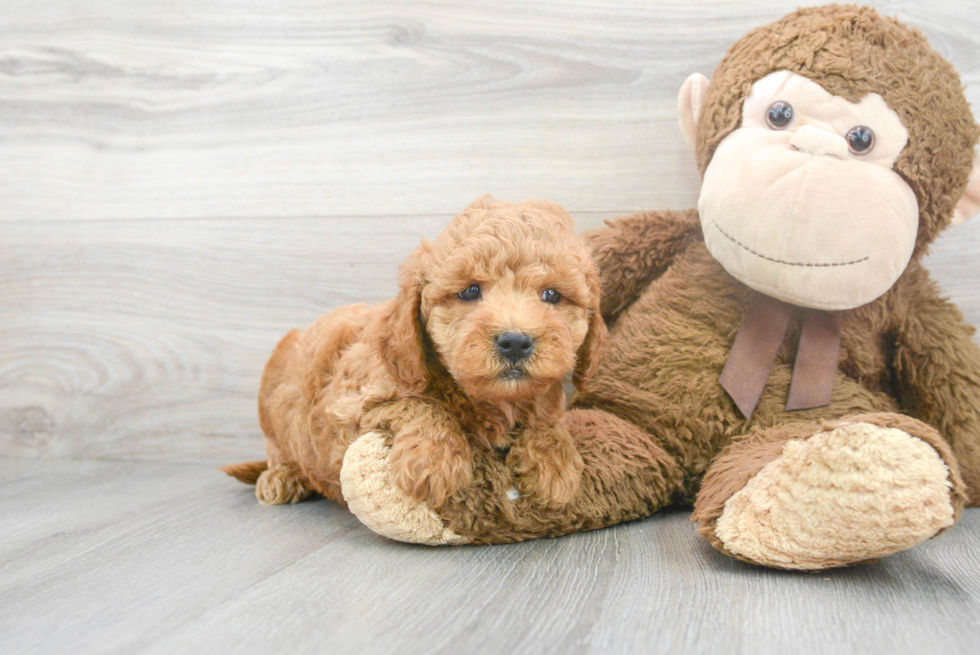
(937, 371)
(634, 250)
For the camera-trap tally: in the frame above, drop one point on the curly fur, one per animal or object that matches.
(423, 367)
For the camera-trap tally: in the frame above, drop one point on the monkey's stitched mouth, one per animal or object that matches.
(780, 261)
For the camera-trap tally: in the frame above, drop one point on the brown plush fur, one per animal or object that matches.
(626, 476)
(655, 424)
(424, 368)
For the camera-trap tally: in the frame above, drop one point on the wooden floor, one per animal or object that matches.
(127, 557)
(183, 181)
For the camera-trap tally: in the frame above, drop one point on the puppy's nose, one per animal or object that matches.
(514, 346)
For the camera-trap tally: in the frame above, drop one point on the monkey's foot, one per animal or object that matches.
(857, 492)
(378, 503)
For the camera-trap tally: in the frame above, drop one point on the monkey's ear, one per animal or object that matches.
(689, 102)
(969, 204)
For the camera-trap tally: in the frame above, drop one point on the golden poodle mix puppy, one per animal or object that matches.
(471, 354)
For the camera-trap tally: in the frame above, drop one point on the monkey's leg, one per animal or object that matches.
(626, 476)
(817, 495)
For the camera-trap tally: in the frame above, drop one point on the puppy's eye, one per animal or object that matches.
(471, 292)
(550, 295)
(779, 115)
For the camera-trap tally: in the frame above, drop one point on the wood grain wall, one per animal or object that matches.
(182, 181)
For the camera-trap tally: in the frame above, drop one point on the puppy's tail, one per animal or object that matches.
(247, 472)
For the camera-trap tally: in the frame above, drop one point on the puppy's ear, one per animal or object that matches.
(402, 345)
(589, 353)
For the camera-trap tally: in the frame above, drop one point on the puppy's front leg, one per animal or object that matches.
(547, 464)
(430, 457)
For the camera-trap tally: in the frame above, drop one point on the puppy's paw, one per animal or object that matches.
(430, 468)
(550, 471)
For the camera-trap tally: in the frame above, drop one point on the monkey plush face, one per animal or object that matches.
(801, 202)
(834, 146)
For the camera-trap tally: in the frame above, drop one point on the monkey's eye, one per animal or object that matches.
(779, 115)
(471, 292)
(550, 295)
(860, 140)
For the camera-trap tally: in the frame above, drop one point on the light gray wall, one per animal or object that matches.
(183, 181)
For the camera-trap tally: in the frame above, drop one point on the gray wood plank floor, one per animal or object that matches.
(123, 557)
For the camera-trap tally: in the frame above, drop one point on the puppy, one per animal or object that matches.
(471, 354)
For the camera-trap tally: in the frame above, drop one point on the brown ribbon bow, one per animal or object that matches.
(757, 343)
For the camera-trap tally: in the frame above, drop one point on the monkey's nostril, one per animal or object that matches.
(514, 346)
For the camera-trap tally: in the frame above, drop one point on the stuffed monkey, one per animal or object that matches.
(779, 357)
